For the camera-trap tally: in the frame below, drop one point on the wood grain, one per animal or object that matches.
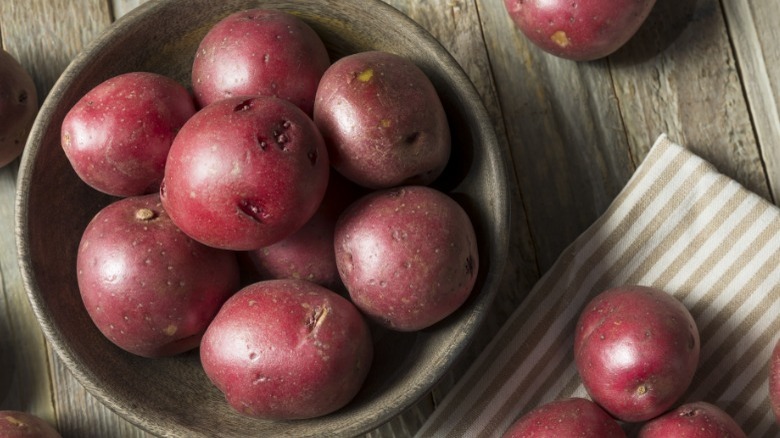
(754, 30)
(679, 76)
(456, 24)
(569, 148)
(41, 384)
(702, 71)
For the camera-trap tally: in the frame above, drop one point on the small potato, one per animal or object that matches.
(636, 349)
(382, 120)
(572, 417)
(407, 256)
(774, 380)
(260, 52)
(18, 424)
(287, 349)
(308, 253)
(18, 107)
(117, 136)
(245, 172)
(693, 420)
(580, 30)
(149, 288)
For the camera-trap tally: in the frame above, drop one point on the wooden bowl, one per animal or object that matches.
(173, 396)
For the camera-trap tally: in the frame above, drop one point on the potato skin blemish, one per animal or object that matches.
(366, 75)
(560, 38)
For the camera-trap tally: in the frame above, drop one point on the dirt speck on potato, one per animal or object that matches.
(560, 38)
(365, 75)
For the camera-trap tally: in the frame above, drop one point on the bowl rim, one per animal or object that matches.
(497, 159)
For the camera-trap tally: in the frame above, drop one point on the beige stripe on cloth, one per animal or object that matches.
(680, 226)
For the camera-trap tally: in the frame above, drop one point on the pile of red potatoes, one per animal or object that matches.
(273, 215)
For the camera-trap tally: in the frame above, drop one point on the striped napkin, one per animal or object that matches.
(678, 225)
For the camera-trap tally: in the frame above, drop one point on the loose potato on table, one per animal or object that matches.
(774, 380)
(287, 349)
(260, 52)
(636, 349)
(118, 135)
(18, 107)
(572, 417)
(148, 287)
(579, 30)
(693, 420)
(407, 256)
(382, 120)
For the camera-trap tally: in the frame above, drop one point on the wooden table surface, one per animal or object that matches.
(706, 72)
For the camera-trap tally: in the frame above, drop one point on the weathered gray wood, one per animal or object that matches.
(25, 383)
(567, 141)
(44, 37)
(457, 26)
(701, 70)
(754, 28)
(679, 76)
(122, 7)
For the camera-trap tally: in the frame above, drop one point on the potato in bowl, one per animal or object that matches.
(172, 396)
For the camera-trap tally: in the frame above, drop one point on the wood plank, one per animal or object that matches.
(754, 30)
(457, 26)
(122, 7)
(25, 382)
(63, 28)
(566, 133)
(678, 75)
(79, 414)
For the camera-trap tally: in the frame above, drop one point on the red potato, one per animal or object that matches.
(245, 173)
(774, 380)
(407, 256)
(287, 349)
(693, 420)
(308, 253)
(18, 424)
(149, 288)
(636, 349)
(117, 136)
(572, 417)
(382, 120)
(579, 30)
(18, 107)
(260, 52)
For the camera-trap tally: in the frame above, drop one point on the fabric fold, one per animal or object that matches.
(678, 225)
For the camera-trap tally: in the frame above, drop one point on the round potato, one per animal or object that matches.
(260, 52)
(572, 417)
(407, 256)
(382, 120)
(117, 136)
(774, 380)
(576, 29)
(245, 172)
(18, 107)
(693, 420)
(287, 349)
(148, 287)
(636, 349)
